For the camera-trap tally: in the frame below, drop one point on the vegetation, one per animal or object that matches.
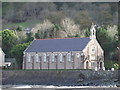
(9, 39)
(111, 64)
(116, 66)
(58, 20)
(82, 13)
(17, 52)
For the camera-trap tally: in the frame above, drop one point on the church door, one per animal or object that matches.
(100, 65)
(87, 65)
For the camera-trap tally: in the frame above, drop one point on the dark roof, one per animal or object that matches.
(10, 60)
(58, 45)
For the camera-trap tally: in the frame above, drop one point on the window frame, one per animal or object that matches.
(29, 58)
(69, 57)
(61, 57)
(52, 57)
(44, 57)
(37, 58)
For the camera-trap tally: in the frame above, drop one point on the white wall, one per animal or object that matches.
(2, 58)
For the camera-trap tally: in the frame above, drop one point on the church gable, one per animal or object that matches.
(93, 47)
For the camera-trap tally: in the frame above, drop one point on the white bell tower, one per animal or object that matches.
(92, 32)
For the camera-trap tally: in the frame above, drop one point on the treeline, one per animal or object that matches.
(82, 13)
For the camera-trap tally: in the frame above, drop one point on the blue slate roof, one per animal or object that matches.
(58, 45)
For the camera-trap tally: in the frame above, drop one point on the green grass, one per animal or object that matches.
(109, 63)
(27, 24)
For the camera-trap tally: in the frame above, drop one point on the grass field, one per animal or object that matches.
(27, 24)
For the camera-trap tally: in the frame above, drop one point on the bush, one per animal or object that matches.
(116, 66)
(19, 28)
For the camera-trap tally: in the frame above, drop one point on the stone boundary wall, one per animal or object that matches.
(58, 77)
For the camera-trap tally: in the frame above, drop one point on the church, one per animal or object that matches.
(65, 53)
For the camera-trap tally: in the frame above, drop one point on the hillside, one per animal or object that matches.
(61, 20)
(82, 13)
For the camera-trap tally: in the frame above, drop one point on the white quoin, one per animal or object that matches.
(93, 32)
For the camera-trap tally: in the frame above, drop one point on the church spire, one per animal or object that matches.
(93, 31)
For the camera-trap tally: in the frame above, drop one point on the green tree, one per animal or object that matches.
(87, 33)
(19, 28)
(37, 35)
(119, 43)
(108, 43)
(9, 39)
(17, 53)
(29, 37)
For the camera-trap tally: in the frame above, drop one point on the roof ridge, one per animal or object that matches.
(61, 38)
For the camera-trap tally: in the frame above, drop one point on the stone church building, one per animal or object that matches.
(67, 53)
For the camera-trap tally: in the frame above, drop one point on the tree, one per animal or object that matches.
(38, 35)
(19, 28)
(107, 42)
(119, 45)
(69, 27)
(17, 53)
(29, 37)
(83, 19)
(9, 39)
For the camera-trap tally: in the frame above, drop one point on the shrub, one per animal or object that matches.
(19, 28)
(116, 66)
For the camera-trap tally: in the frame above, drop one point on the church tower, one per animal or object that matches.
(93, 32)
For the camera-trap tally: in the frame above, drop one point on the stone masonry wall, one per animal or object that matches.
(57, 77)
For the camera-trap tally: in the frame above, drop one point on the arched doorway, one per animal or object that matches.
(87, 65)
(101, 65)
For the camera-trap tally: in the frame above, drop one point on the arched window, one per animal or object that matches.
(53, 58)
(37, 58)
(93, 49)
(69, 57)
(61, 57)
(78, 55)
(29, 57)
(44, 57)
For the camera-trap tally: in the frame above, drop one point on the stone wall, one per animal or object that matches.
(58, 77)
